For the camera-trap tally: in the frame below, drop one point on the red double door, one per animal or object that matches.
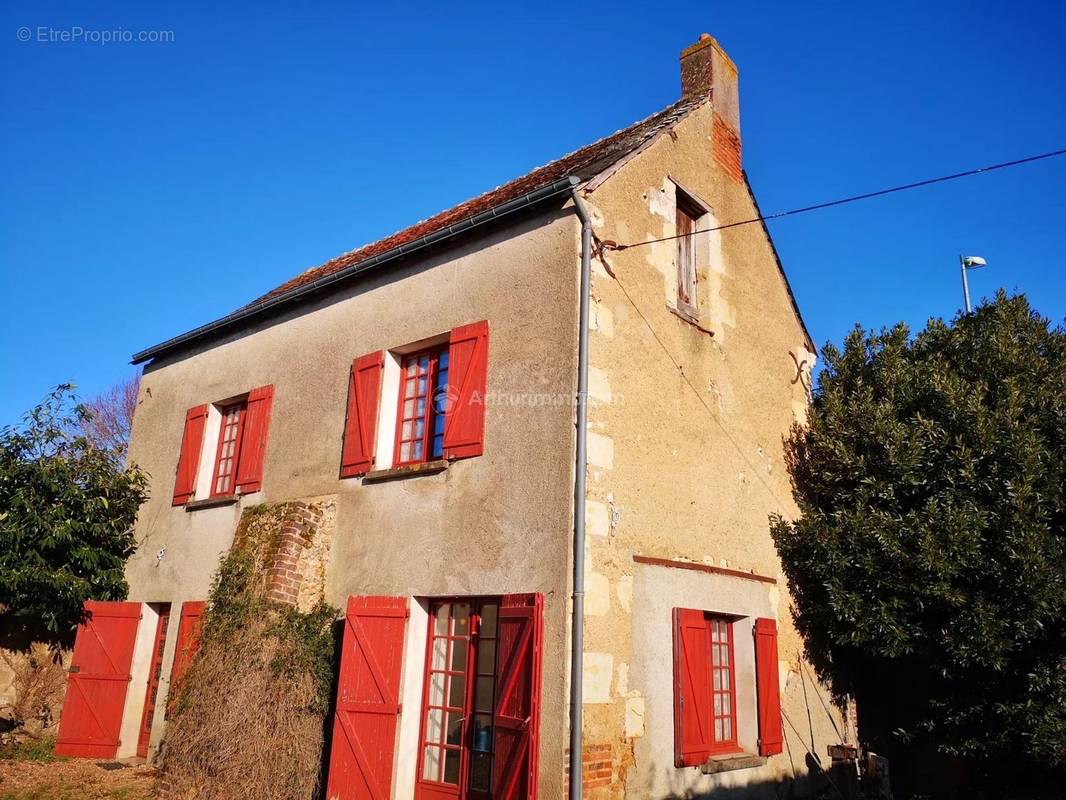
(100, 673)
(479, 714)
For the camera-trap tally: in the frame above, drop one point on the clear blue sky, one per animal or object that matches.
(148, 188)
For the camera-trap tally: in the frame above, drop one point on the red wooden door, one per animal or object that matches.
(189, 626)
(517, 720)
(368, 699)
(154, 673)
(98, 681)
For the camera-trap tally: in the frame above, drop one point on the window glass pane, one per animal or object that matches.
(727, 729)
(488, 619)
(725, 704)
(420, 407)
(455, 726)
(420, 424)
(451, 766)
(440, 626)
(436, 689)
(431, 764)
(717, 679)
(486, 657)
(724, 655)
(717, 705)
(483, 733)
(408, 409)
(416, 450)
(718, 729)
(434, 721)
(483, 694)
(405, 452)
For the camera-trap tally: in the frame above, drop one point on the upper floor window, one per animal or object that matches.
(223, 447)
(687, 213)
(428, 398)
(229, 447)
(423, 406)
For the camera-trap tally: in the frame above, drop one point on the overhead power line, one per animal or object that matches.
(842, 201)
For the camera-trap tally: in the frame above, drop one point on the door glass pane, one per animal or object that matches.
(455, 727)
(488, 619)
(459, 651)
(431, 764)
(480, 771)
(434, 718)
(462, 619)
(440, 627)
(482, 739)
(456, 691)
(451, 766)
(486, 658)
(483, 694)
(436, 689)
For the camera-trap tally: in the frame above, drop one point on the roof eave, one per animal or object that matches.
(275, 304)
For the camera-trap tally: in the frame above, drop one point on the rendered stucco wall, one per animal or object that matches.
(489, 525)
(686, 429)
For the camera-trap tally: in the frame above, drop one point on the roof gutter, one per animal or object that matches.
(274, 304)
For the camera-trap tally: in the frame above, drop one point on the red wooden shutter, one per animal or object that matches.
(188, 642)
(368, 699)
(464, 423)
(253, 440)
(517, 718)
(693, 721)
(364, 393)
(98, 680)
(771, 735)
(189, 459)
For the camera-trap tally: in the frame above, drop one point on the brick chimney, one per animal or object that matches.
(707, 70)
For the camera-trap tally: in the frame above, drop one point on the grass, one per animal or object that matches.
(40, 750)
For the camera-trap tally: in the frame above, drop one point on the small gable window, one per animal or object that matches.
(687, 214)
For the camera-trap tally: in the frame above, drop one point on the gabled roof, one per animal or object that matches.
(583, 164)
(551, 180)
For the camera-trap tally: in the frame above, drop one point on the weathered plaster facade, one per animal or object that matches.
(686, 422)
(693, 414)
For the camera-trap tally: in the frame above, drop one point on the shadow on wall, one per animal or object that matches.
(738, 785)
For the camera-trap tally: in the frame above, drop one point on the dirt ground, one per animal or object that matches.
(74, 780)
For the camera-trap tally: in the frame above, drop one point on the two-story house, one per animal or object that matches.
(535, 441)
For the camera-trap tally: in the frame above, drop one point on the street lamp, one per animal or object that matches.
(965, 263)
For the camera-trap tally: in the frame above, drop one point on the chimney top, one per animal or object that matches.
(708, 71)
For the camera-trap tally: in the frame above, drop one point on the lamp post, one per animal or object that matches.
(967, 263)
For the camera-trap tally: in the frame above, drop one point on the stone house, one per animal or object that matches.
(550, 415)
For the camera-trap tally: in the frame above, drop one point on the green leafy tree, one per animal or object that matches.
(67, 508)
(928, 567)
